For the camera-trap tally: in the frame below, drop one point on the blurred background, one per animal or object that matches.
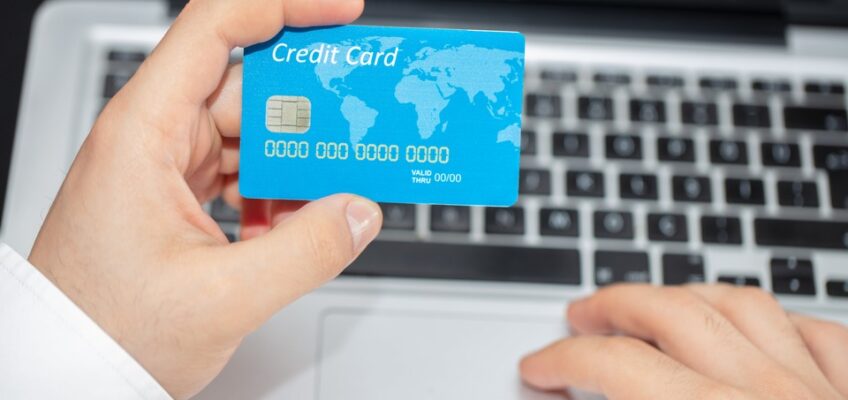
(15, 23)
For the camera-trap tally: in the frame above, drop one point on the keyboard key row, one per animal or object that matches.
(561, 222)
(683, 150)
(663, 227)
(696, 189)
(595, 108)
(684, 188)
(789, 276)
(620, 225)
(712, 83)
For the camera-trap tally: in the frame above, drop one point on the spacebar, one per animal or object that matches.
(473, 262)
(797, 233)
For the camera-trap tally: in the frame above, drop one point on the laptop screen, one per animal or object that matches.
(742, 5)
(806, 12)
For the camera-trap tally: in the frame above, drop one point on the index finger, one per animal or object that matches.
(189, 62)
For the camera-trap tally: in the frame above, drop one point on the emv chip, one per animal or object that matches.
(288, 114)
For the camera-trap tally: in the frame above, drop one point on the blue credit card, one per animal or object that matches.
(404, 115)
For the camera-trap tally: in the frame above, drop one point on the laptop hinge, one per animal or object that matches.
(175, 6)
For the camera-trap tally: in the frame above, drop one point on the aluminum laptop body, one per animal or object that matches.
(663, 142)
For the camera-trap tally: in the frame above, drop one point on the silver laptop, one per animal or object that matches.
(664, 141)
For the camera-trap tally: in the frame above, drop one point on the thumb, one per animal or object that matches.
(300, 254)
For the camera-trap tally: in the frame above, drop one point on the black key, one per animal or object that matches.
(114, 82)
(450, 219)
(468, 262)
(571, 144)
(560, 76)
(398, 216)
(717, 83)
(827, 88)
(613, 225)
(721, 230)
(819, 119)
(621, 266)
(647, 111)
(838, 182)
(534, 181)
(679, 269)
(559, 222)
(664, 81)
(837, 288)
(545, 106)
(797, 194)
(127, 56)
(699, 113)
(636, 186)
(740, 280)
(792, 276)
(676, 150)
(584, 184)
(505, 221)
(625, 147)
(831, 158)
(595, 108)
(797, 233)
(781, 154)
(668, 227)
(222, 212)
(751, 116)
(744, 191)
(606, 78)
(528, 142)
(691, 188)
(771, 86)
(728, 152)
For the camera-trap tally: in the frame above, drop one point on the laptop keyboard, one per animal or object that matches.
(637, 176)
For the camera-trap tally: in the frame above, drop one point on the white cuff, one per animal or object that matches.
(49, 348)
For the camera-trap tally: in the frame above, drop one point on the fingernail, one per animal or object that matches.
(362, 219)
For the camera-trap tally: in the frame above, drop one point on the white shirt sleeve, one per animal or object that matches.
(51, 349)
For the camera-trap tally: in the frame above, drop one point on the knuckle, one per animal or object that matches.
(744, 302)
(756, 296)
(680, 297)
(716, 324)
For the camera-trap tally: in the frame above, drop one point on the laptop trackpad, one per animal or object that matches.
(415, 355)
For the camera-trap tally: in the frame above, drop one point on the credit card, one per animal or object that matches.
(400, 115)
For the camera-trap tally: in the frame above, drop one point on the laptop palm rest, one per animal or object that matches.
(416, 355)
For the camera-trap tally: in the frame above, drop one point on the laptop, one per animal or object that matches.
(663, 141)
